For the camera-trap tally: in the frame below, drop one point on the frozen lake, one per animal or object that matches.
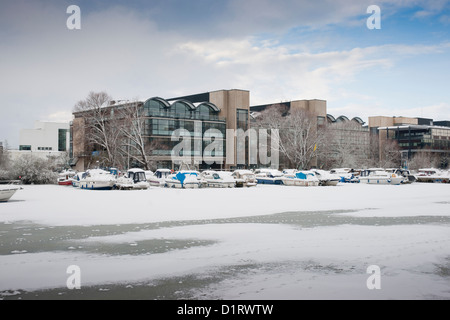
(268, 242)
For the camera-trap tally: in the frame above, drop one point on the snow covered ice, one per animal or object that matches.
(268, 242)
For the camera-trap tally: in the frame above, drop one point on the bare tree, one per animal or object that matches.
(298, 134)
(134, 144)
(423, 159)
(102, 127)
(390, 156)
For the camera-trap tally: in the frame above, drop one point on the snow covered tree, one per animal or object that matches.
(422, 160)
(33, 170)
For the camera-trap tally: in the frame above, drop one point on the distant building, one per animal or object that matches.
(348, 136)
(414, 135)
(47, 138)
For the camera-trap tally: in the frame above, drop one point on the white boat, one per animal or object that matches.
(432, 175)
(268, 176)
(77, 178)
(7, 191)
(406, 174)
(244, 178)
(184, 180)
(377, 176)
(347, 175)
(300, 178)
(135, 179)
(97, 179)
(158, 179)
(215, 179)
(326, 178)
(65, 177)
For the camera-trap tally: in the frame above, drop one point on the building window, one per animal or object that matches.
(62, 139)
(242, 119)
(24, 148)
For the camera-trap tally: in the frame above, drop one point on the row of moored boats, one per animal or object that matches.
(136, 179)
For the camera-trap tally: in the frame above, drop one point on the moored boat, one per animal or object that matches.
(326, 178)
(135, 179)
(216, 179)
(244, 178)
(268, 176)
(300, 178)
(65, 177)
(158, 179)
(7, 191)
(431, 175)
(184, 180)
(380, 176)
(347, 175)
(97, 179)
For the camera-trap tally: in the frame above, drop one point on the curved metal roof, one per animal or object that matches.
(163, 101)
(210, 105)
(359, 120)
(342, 119)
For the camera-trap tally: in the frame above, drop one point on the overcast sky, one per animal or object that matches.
(279, 50)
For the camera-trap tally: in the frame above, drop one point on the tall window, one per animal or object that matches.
(62, 139)
(242, 119)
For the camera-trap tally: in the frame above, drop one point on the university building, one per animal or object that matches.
(414, 135)
(45, 139)
(196, 114)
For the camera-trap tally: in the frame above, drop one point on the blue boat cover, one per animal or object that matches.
(300, 175)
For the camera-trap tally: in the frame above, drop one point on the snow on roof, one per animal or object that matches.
(135, 170)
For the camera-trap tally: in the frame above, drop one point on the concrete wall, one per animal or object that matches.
(381, 121)
(229, 101)
(317, 107)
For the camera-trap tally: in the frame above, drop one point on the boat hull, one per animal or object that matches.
(381, 180)
(300, 182)
(329, 183)
(65, 183)
(269, 181)
(6, 194)
(97, 185)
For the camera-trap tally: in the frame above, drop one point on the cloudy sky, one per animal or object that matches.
(279, 50)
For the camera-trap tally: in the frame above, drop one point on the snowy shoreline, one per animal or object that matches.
(59, 205)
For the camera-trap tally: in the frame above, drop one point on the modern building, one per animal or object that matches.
(46, 136)
(196, 114)
(46, 139)
(414, 135)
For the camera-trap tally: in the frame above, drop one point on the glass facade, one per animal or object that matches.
(414, 138)
(201, 122)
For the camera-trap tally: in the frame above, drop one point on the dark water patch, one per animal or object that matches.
(28, 237)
